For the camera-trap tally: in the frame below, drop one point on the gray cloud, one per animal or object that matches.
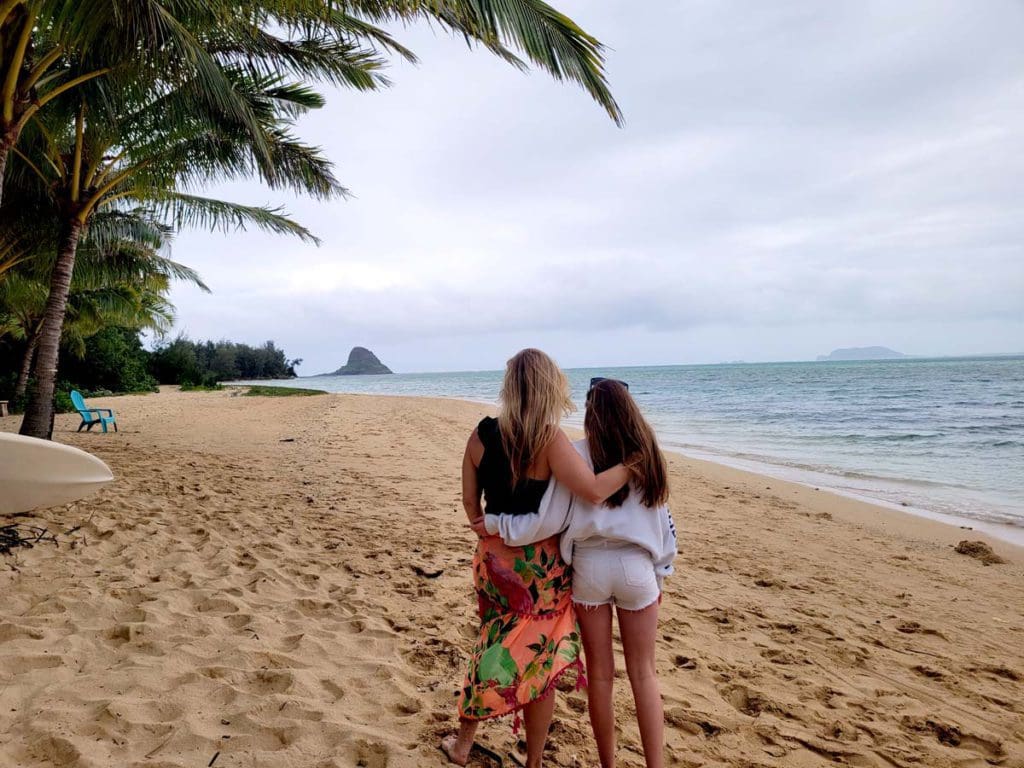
(792, 177)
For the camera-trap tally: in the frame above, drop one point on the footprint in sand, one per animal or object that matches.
(779, 656)
(407, 706)
(1001, 671)
(929, 672)
(17, 665)
(913, 628)
(953, 735)
(335, 690)
(743, 700)
(371, 754)
(55, 750)
(216, 605)
(238, 621)
(694, 723)
(10, 632)
(315, 608)
(123, 633)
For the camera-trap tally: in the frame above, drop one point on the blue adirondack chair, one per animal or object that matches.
(92, 416)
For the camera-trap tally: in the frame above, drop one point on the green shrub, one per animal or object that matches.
(189, 386)
(114, 361)
(262, 391)
(62, 398)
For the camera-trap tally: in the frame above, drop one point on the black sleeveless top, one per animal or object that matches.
(495, 475)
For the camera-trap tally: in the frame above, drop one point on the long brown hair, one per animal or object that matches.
(534, 397)
(616, 433)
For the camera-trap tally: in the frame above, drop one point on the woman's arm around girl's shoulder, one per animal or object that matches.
(570, 469)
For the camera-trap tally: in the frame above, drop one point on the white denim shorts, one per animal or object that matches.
(606, 571)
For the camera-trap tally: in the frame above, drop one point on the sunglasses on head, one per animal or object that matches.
(598, 379)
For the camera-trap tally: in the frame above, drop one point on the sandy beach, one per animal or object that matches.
(285, 582)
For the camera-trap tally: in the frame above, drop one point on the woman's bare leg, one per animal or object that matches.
(537, 716)
(639, 630)
(457, 747)
(596, 629)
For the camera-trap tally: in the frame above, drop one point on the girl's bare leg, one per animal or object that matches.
(457, 747)
(537, 716)
(596, 629)
(639, 630)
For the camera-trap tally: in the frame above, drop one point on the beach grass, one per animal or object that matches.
(265, 391)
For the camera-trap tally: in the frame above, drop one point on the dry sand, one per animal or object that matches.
(261, 582)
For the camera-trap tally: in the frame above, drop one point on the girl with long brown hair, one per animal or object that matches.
(528, 633)
(620, 551)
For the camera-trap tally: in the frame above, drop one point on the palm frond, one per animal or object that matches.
(219, 215)
(549, 39)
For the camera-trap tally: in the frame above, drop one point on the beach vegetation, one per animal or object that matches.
(205, 386)
(267, 391)
(116, 116)
(114, 359)
(183, 361)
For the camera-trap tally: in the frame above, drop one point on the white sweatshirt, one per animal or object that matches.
(560, 512)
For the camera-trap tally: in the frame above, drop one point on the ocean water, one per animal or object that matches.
(938, 436)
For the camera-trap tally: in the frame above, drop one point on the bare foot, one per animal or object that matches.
(448, 745)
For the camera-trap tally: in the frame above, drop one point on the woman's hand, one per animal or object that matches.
(478, 527)
(634, 464)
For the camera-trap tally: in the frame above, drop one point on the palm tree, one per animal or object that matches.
(129, 154)
(154, 128)
(120, 279)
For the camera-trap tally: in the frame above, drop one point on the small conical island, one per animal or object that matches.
(361, 362)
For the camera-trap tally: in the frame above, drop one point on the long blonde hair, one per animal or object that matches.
(534, 397)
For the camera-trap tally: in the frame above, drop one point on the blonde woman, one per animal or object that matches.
(528, 632)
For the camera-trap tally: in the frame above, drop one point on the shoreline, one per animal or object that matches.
(1006, 533)
(967, 527)
(989, 531)
(890, 493)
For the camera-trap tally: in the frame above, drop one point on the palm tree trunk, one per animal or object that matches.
(38, 421)
(8, 138)
(26, 363)
(5, 150)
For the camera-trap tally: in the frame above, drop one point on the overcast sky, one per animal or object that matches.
(792, 177)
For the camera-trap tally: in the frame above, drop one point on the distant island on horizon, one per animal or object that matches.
(361, 362)
(862, 353)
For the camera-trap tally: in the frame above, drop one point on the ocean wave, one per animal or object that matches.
(984, 428)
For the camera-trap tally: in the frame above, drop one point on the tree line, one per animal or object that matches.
(115, 361)
(116, 115)
(205, 363)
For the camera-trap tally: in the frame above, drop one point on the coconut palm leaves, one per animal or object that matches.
(103, 152)
(120, 279)
(50, 47)
(114, 109)
(547, 38)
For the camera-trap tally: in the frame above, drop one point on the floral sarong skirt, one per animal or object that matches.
(528, 632)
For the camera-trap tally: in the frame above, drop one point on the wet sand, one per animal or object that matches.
(261, 586)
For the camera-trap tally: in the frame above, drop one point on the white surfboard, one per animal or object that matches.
(38, 473)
